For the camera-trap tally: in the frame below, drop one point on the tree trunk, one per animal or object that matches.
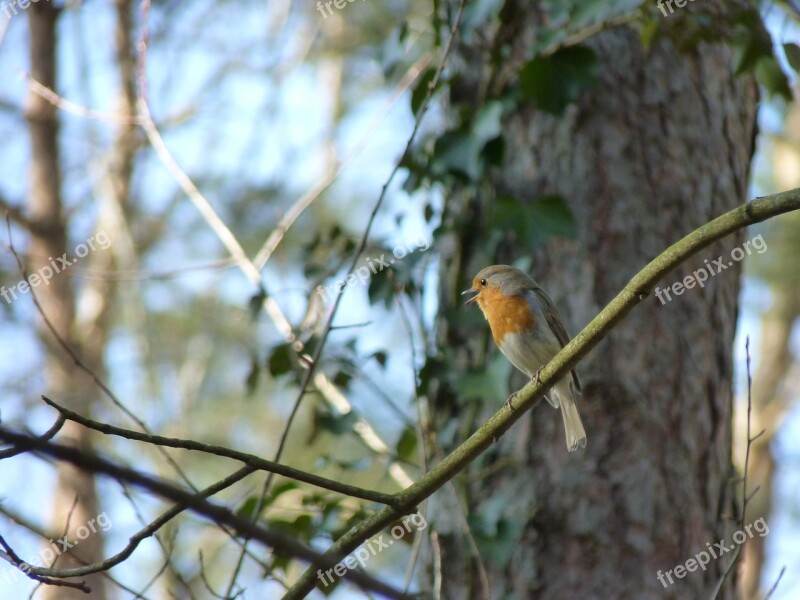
(661, 146)
(75, 504)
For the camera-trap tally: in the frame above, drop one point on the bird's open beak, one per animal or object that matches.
(470, 291)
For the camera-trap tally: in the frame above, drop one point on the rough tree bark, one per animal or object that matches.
(661, 146)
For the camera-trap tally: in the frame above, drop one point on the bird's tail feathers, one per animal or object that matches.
(573, 427)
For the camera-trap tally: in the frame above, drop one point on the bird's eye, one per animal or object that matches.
(483, 283)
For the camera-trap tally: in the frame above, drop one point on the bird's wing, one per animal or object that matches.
(554, 321)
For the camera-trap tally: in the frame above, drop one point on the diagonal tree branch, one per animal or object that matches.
(255, 462)
(637, 289)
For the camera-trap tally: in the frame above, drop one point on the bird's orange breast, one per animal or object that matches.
(506, 314)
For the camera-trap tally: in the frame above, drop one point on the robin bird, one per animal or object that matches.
(528, 330)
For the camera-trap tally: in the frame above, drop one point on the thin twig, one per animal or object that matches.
(208, 213)
(745, 498)
(167, 552)
(309, 374)
(251, 460)
(76, 109)
(47, 435)
(418, 535)
(775, 585)
(28, 570)
(204, 579)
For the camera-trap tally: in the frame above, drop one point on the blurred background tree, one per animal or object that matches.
(575, 139)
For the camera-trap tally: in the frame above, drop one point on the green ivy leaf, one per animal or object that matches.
(421, 90)
(381, 357)
(256, 302)
(771, 76)
(536, 222)
(301, 528)
(460, 152)
(490, 383)
(648, 32)
(248, 508)
(792, 52)
(342, 379)
(553, 82)
(496, 534)
(278, 490)
(553, 217)
(407, 443)
(501, 547)
(280, 361)
(457, 153)
(488, 122)
(435, 368)
(381, 289)
(750, 41)
(338, 424)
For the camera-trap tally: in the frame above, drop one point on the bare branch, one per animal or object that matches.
(47, 435)
(184, 499)
(22, 521)
(775, 585)
(257, 463)
(77, 109)
(28, 570)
